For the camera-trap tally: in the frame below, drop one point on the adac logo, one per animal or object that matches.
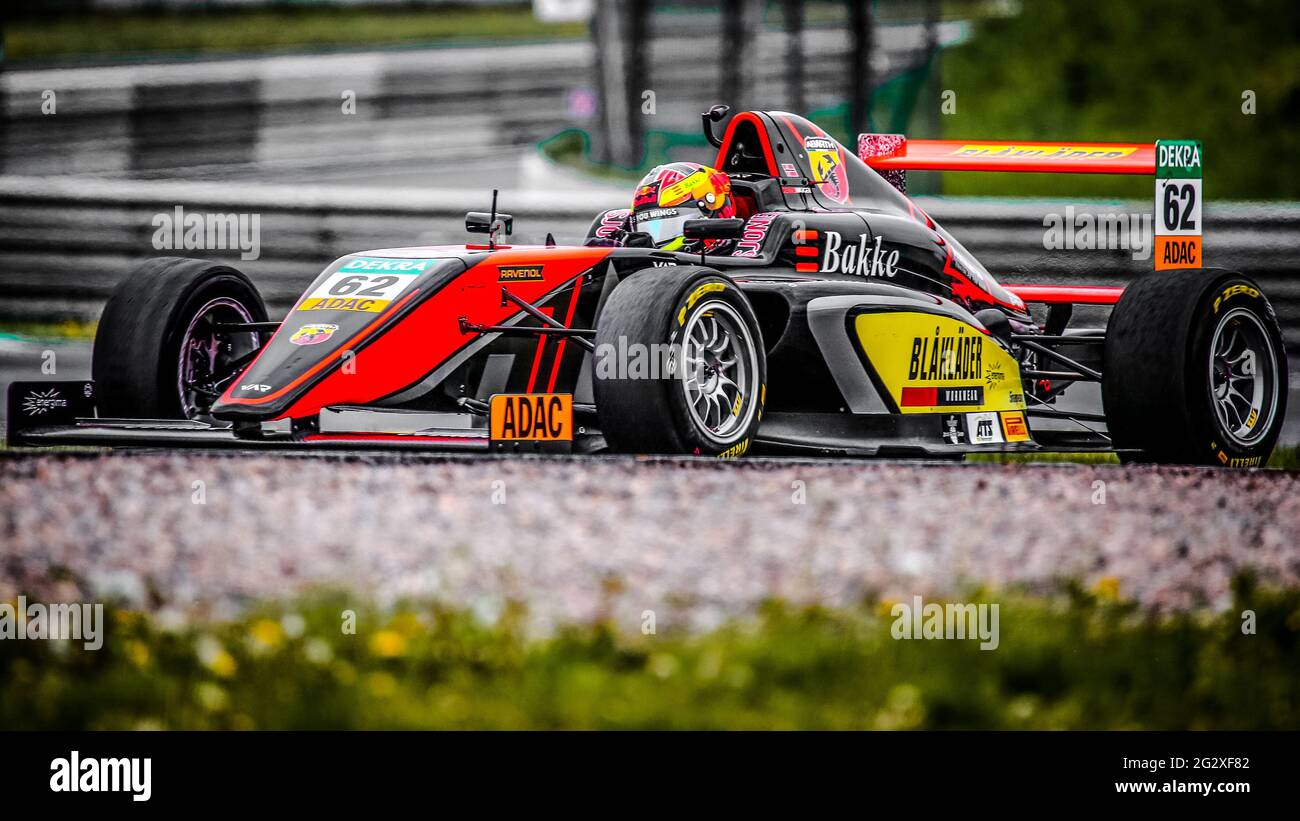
(519, 273)
(39, 402)
(313, 334)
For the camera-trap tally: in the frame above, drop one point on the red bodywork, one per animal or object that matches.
(1075, 294)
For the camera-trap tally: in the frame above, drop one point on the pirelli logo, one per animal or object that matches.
(519, 273)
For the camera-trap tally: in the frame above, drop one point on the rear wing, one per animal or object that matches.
(1175, 164)
(990, 155)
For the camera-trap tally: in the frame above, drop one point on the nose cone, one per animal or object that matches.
(349, 306)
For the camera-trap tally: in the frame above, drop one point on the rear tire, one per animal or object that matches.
(159, 308)
(1194, 370)
(679, 365)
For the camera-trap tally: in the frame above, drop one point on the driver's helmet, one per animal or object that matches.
(672, 194)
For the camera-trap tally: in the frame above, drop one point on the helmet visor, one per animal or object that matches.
(664, 224)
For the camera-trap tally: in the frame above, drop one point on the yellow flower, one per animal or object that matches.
(388, 644)
(214, 657)
(266, 633)
(223, 665)
(137, 652)
(210, 696)
(1106, 588)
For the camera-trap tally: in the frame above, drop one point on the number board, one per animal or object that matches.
(1179, 172)
(364, 284)
(534, 421)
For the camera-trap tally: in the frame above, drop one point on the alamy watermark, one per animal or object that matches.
(636, 360)
(177, 230)
(951, 621)
(1099, 231)
(74, 621)
(128, 775)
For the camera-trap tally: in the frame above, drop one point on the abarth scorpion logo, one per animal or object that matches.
(39, 402)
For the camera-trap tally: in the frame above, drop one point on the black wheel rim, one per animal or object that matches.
(1243, 377)
(210, 359)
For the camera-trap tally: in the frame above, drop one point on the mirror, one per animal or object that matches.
(480, 222)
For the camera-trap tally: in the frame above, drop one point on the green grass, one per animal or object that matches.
(1137, 72)
(1080, 660)
(68, 329)
(268, 29)
(1084, 458)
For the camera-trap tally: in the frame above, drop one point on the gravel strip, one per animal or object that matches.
(581, 539)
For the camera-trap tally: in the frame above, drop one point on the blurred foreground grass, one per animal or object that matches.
(1080, 660)
(252, 30)
(68, 329)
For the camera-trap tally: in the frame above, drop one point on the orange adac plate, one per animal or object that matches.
(1010, 155)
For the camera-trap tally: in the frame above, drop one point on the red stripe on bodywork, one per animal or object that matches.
(920, 397)
(568, 323)
(537, 357)
(1075, 294)
(721, 161)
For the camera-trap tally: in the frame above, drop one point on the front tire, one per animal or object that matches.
(157, 355)
(679, 365)
(1195, 370)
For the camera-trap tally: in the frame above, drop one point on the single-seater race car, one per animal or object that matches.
(821, 313)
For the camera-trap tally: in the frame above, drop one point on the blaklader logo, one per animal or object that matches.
(77, 774)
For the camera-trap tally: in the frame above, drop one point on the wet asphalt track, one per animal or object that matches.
(576, 539)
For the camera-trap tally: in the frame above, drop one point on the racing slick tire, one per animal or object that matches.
(156, 354)
(679, 365)
(1194, 370)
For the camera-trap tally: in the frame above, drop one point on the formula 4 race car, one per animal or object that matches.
(841, 320)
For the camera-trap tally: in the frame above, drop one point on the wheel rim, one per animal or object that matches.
(1243, 377)
(719, 377)
(209, 360)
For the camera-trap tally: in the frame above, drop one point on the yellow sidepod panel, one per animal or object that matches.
(931, 363)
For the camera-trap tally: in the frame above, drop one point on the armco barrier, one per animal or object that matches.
(64, 242)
